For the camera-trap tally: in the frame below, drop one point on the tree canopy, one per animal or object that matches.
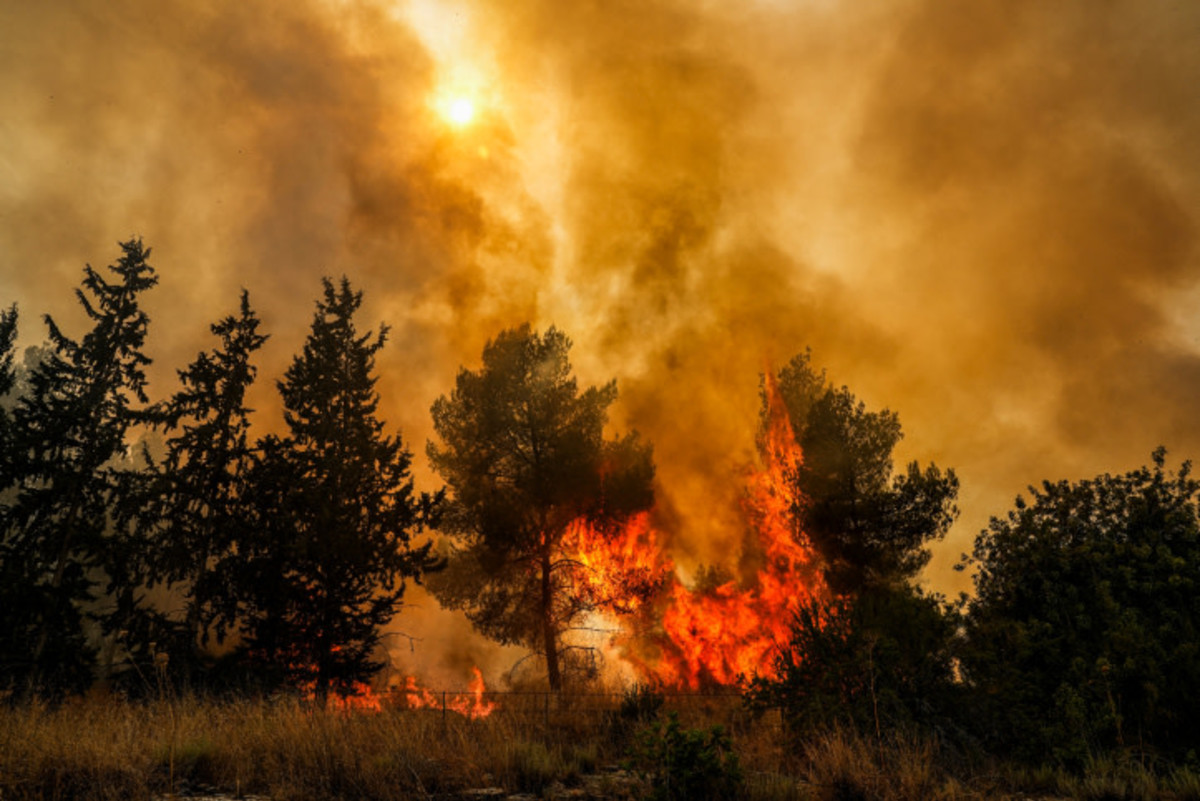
(327, 546)
(1084, 632)
(879, 654)
(524, 456)
(191, 505)
(8, 379)
(67, 431)
(870, 526)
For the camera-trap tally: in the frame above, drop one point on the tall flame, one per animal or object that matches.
(685, 637)
(719, 635)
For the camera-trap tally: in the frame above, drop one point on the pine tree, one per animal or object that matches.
(870, 526)
(328, 549)
(8, 377)
(197, 496)
(82, 400)
(524, 454)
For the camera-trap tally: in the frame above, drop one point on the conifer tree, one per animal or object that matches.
(8, 339)
(67, 430)
(524, 453)
(328, 548)
(871, 527)
(197, 496)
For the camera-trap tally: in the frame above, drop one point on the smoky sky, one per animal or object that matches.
(981, 215)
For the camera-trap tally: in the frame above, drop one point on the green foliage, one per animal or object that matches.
(1084, 634)
(534, 766)
(880, 654)
(524, 455)
(66, 444)
(687, 764)
(183, 516)
(200, 490)
(869, 526)
(325, 550)
(875, 663)
(8, 377)
(640, 705)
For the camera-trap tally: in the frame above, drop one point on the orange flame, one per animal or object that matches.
(720, 635)
(363, 699)
(473, 705)
(620, 571)
(410, 695)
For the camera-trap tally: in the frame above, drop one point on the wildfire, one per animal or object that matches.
(622, 571)
(363, 699)
(471, 705)
(410, 694)
(685, 637)
(716, 636)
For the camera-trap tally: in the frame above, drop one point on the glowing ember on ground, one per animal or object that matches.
(410, 694)
(470, 705)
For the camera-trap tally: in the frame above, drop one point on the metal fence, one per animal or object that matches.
(583, 710)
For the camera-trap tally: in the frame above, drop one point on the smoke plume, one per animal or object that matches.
(982, 215)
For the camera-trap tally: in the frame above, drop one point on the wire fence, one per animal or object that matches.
(578, 710)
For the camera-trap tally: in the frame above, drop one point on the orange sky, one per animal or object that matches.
(982, 215)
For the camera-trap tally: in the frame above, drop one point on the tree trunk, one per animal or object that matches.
(549, 635)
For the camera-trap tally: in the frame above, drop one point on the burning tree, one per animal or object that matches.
(326, 552)
(524, 455)
(879, 651)
(870, 528)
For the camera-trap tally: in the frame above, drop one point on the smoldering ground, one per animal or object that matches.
(980, 215)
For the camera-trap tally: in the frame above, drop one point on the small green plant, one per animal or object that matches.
(534, 766)
(639, 705)
(695, 764)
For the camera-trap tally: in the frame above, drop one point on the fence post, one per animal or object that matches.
(443, 711)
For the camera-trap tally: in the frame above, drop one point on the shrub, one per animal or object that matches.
(689, 764)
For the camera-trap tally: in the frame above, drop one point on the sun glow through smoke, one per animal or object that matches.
(460, 111)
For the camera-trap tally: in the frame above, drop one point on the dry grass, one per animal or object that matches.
(280, 748)
(107, 749)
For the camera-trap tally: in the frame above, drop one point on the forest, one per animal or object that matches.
(163, 551)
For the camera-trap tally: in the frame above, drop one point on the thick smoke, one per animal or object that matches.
(982, 215)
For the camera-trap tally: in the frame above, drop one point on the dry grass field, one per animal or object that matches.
(567, 748)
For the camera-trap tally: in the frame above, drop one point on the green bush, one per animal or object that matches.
(875, 663)
(693, 764)
(1084, 634)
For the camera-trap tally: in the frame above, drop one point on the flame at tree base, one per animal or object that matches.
(673, 635)
(727, 633)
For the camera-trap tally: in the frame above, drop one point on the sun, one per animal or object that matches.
(459, 111)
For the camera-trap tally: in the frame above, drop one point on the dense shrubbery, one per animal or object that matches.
(1083, 634)
(682, 764)
(875, 663)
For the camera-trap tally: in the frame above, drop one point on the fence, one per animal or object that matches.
(568, 711)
